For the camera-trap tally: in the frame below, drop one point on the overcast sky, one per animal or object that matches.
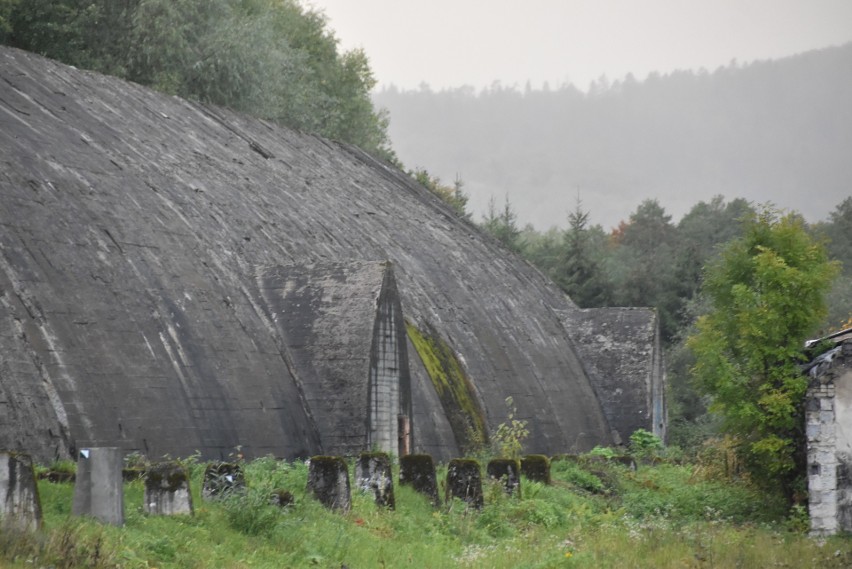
(450, 43)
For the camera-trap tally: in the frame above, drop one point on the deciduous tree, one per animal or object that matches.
(273, 59)
(767, 293)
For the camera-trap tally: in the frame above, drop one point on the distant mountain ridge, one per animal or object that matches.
(775, 131)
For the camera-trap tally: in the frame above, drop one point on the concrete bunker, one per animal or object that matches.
(621, 352)
(343, 328)
(142, 239)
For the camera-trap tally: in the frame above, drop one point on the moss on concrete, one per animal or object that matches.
(464, 481)
(508, 471)
(536, 467)
(168, 476)
(418, 471)
(453, 387)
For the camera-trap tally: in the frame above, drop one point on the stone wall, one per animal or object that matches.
(828, 417)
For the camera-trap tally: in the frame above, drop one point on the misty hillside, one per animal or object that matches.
(778, 131)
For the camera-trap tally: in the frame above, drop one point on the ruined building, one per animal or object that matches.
(176, 277)
(828, 428)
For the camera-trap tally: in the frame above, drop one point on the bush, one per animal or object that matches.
(578, 476)
(605, 452)
(644, 444)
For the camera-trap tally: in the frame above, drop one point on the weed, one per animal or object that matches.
(508, 439)
(798, 519)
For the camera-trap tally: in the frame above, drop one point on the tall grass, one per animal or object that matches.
(594, 515)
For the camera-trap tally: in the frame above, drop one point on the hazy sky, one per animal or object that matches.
(450, 43)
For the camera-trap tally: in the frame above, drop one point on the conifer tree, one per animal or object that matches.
(503, 225)
(580, 274)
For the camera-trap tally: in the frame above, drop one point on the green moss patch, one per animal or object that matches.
(453, 387)
(168, 476)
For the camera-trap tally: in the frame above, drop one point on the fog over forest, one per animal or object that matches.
(770, 131)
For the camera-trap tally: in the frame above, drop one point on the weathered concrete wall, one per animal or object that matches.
(133, 229)
(32, 415)
(343, 331)
(828, 428)
(433, 434)
(620, 348)
(20, 507)
(390, 381)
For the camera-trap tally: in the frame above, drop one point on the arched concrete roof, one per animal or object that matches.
(133, 227)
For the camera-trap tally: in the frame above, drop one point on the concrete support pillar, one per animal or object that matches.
(384, 381)
(20, 508)
(99, 489)
(536, 467)
(404, 445)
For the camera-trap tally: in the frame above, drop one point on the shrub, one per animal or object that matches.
(605, 452)
(645, 444)
(670, 491)
(578, 476)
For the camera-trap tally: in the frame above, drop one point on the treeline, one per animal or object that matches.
(769, 130)
(649, 260)
(273, 59)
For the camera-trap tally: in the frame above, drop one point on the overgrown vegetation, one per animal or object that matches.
(767, 292)
(274, 59)
(649, 260)
(453, 195)
(597, 514)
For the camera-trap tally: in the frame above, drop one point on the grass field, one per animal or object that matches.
(596, 514)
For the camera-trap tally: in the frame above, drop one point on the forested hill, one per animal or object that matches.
(778, 131)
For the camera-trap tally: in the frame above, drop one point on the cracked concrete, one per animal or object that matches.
(133, 228)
